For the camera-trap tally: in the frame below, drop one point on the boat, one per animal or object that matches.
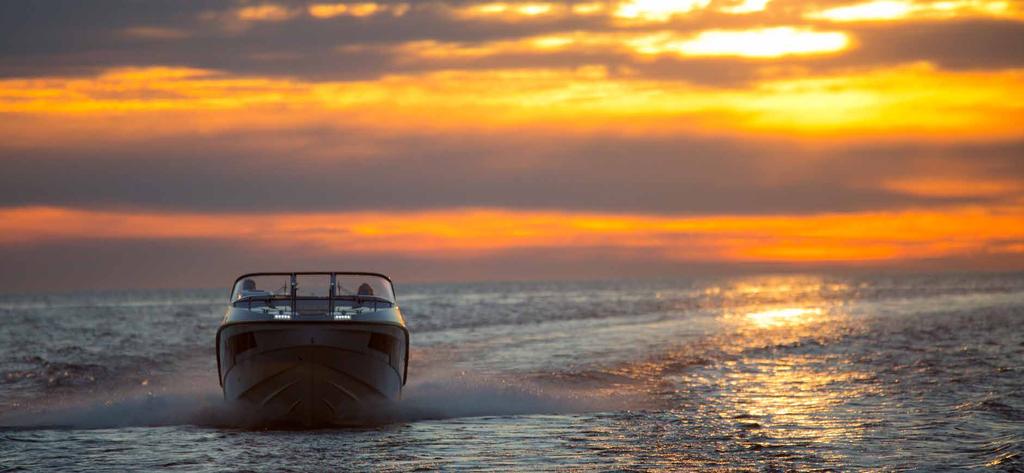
(312, 348)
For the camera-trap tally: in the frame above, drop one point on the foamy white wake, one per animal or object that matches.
(433, 397)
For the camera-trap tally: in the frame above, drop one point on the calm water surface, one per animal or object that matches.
(769, 373)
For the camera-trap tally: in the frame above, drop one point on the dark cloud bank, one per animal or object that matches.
(237, 172)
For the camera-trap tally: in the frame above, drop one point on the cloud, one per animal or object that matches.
(344, 41)
(657, 11)
(954, 188)
(154, 33)
(511, 11)
(193, 139)
(951, 45)
(62, 266)
(758, 43)
(890, 10)
(326, 169)
(457, 238)
(913, 101)
(265, 12)
(359, 10)
(777, 133)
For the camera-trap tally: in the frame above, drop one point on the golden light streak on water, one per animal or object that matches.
(783, 316)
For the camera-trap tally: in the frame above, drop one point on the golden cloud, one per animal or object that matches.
(852, 237)
(889, 10)
(358, 10)
(908, 101)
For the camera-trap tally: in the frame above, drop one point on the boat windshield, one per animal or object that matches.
(347, 288)
(361, 286)
(269, 286)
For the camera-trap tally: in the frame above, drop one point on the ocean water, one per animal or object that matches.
(756, 373)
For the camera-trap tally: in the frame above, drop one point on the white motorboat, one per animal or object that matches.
(312, 348)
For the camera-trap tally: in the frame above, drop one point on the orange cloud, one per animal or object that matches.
(648, 12)
(890, 10)
(154, 32)
(907, 101)
(755, 43)
(849, 238)
(744, 7)
(359, 10)
(954, 188)
(763, 43)
(510, 11)
(588, 8)
(265, 12)
(657, 10)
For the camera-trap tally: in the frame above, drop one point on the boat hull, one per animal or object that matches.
(310, 374)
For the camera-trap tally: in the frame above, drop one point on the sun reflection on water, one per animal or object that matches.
(801, 398)
(784, 316)
(777, 386)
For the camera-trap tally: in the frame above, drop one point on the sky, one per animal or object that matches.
(180, 143)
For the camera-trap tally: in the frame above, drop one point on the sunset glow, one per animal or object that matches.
(763, 43)
(658, 10)
(916, 100)
(512, 235)
(508, 10)
(849, 238)
(880, 133)
(331, 10)
(887, 10)
(268, 12)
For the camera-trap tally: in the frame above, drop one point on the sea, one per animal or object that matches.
(791, 372)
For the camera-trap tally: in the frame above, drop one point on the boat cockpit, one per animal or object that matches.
(332, 296)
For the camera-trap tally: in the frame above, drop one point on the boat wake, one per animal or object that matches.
(441, 396)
